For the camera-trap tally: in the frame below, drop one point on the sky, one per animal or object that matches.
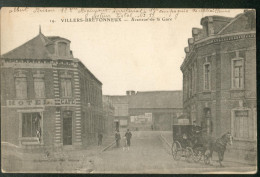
(126, 55)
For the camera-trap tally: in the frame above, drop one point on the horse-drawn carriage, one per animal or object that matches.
(194, 144)
(181, 146)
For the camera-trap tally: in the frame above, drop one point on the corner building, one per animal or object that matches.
(48, 97)
(219, 77)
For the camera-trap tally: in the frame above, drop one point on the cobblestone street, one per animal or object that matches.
(149, 154)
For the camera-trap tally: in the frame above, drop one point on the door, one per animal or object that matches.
(67, 128)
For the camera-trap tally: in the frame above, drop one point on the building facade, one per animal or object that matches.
(219, 77)
(121, 115)
(108, 114)
(48, 97)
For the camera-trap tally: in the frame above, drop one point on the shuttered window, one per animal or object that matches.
(21, 87)
(39, 87)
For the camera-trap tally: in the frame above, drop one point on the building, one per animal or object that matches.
(108, 115)
(219, 77)
(120, 104)
(156, 110)
(49, 98)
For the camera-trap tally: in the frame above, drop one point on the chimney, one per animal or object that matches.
(130, 92)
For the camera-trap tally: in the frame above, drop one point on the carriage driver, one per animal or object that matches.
(196, 130)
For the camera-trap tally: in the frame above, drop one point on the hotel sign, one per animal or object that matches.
(24, 103)
(40, 102)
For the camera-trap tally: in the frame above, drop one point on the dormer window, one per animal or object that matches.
(62, 49)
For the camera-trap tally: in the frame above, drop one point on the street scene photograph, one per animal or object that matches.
(128, 91)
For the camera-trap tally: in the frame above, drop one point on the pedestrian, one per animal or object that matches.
(117, 138)
(100, 137)
(128, 136)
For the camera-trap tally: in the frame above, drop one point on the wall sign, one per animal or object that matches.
(23, 103)
(39, 102)
(66, 101)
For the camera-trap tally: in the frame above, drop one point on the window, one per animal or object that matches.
(206, 76)
(31, 124)
(21, 87)
(190, 82)
(39, 87)
(66, 87)
(243, 125)
(194, 77)
(83, 123)
(62, 48)
(237, 74)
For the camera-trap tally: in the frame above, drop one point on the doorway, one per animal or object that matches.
(207, 122)
(67, 128)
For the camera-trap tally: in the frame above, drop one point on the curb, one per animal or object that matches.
(107, 147)
(163, 138)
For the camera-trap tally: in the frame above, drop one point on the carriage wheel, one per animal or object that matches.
(176, 150)
(188, 154)
(197, 154)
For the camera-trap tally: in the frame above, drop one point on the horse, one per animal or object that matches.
(219, 146)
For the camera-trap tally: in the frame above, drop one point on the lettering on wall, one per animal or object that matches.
(22, 103)
(39, 102)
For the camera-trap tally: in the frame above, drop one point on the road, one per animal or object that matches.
(148, 154)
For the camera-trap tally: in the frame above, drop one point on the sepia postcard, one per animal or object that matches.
(128, 90)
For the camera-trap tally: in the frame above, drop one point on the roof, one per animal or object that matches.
(32, 49)
(37, 48)
(119, 99)
(55, 38)
(244, 22)
(156, 99)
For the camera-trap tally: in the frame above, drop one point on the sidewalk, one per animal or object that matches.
(63, 161)
(230, 154)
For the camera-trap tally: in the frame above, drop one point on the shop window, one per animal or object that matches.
(66, 87)
(206, 76)
(21, 87)
(237, 73)
(31, 124)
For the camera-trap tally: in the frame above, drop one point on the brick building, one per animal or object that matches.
(48, 97)
(219, 77)
(108, 114)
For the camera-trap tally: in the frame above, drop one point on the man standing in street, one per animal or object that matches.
(128, 136)
(117, 138)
